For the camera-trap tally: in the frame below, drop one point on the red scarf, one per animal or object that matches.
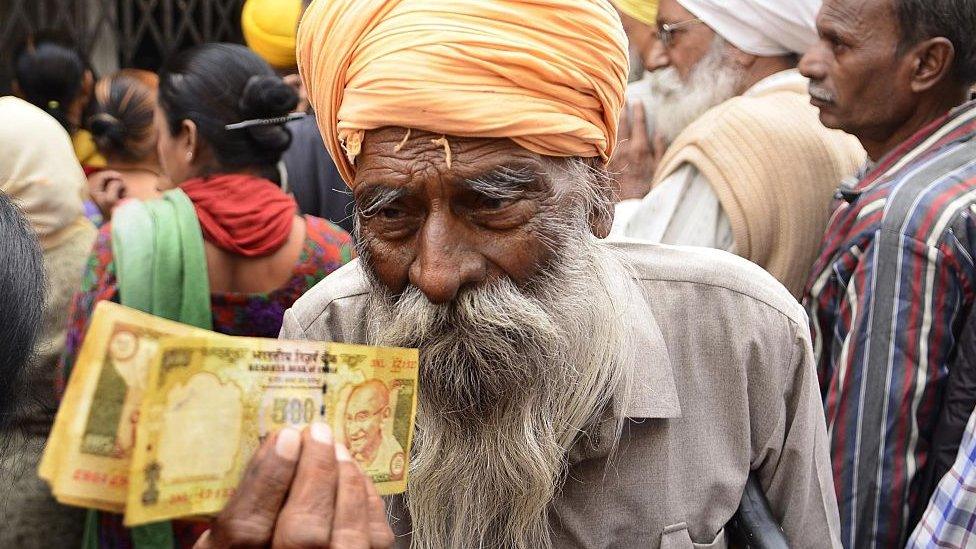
(242, 214)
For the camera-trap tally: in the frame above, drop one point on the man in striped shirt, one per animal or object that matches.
(896, 277)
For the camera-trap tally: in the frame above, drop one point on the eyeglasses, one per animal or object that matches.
(666, 33)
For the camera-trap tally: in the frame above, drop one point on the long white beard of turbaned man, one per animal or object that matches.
(510, 378)
(513, 374)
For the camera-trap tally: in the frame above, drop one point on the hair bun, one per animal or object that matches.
(107, 131)
(267, 96)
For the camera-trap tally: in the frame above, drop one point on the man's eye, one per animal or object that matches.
(490, 203)
(392, 213)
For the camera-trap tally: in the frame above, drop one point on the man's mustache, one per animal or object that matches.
(821, 93)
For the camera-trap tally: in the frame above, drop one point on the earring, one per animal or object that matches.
(189, 156)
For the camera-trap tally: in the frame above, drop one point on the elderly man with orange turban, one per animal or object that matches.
(573, 392)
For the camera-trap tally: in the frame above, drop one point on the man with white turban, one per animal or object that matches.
(573, 393)
(749, 168)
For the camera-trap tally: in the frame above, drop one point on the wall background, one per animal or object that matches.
(118, 33)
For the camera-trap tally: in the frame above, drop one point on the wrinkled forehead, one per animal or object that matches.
(862, 16)
(671, 12)
(395, 156)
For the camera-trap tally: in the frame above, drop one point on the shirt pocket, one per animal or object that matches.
(677, 537)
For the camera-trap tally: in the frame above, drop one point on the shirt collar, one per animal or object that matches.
(959, 124)
(788, 78)
(653, 393)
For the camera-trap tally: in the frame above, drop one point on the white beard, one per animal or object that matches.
(510, 379)
(712, 81)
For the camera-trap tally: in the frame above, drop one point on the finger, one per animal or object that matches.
(660, 147)
(249, 518)
(350, 528)
(306, 518)
(638, 131)
(96, 186)
(204, 541)
(624, 130)
(380, 534)
(106, 177)
(114, 189)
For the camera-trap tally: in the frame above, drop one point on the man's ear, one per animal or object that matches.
(601, 226)
(740, 58)
(933, 60)
(601, 219)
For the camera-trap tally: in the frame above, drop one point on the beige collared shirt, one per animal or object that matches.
(725, 385)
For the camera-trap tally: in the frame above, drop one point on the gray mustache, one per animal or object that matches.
(821, 94)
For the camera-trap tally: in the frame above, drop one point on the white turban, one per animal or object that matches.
(761, 27)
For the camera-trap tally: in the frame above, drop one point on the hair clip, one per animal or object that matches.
(265, 121)
(107, 117)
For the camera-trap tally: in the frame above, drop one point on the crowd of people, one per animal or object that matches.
(670, 265)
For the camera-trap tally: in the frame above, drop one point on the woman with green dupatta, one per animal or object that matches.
(225, 249)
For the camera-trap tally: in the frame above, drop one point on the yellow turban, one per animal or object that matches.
(644, 11)
(549, 74)
(269, 29)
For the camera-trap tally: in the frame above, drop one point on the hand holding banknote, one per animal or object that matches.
(159, 420)
(302, 490)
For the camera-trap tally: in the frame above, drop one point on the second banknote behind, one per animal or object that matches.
(88, 454)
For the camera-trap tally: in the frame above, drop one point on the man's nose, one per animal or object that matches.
(812, 64)
(444, 262)
(656, 57)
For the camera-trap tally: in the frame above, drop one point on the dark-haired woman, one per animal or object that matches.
(224, 250)
(53, 76)
(124, 130)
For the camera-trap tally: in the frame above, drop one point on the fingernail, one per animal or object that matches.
(342, 454)
(288, 444)
(321, 433)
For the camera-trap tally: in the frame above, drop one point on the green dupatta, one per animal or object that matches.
(161, 268)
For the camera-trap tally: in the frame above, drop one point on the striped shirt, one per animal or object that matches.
(950, 520)
(887, 298)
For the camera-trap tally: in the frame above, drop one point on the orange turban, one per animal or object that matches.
(548, 74)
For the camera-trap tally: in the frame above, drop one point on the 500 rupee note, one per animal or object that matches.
(87, 457)
(209, 402)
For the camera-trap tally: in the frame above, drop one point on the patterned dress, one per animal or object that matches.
(326, 248)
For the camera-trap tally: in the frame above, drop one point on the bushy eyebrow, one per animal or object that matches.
(503, 182)
(377, 198)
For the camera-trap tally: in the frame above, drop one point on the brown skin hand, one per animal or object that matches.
(881, 94)
(441, 235)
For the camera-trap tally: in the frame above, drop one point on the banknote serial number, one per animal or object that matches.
(99, 478)
(204, 494)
